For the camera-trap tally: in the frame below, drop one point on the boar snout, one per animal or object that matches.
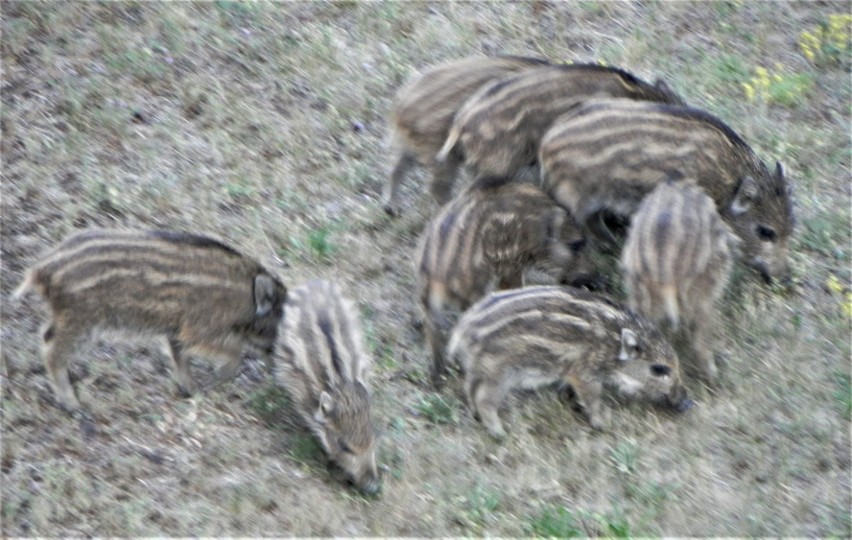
(368, 482)
(679, 400)
(373, 486)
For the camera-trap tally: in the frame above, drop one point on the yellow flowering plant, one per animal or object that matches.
(777, 86)
(829, 42)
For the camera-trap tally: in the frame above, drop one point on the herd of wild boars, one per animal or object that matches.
(600, 143)
(503, 259)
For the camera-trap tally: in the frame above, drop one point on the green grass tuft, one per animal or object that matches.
(271, 403)
(306, 449)
(559, 522)
(439, 409)
(843, 393)
(319, 242)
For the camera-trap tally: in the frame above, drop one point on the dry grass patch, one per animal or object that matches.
(265, 123)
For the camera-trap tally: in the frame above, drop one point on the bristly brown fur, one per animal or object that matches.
(195, 291)
(321, 361)
(498, 130)
(423, 111)
(488, 236)
(608, 154)
(538, 336)
(676, 262)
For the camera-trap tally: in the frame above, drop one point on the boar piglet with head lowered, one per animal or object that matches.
(321, 361)
(539, 336)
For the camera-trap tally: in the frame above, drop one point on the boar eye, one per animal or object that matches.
(345, 448)
(577, 245)
(660, 370)
(766, 234)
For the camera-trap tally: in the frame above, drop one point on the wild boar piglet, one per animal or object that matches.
(676, 262)
(608, 154)
(537, 336)
(321, 361)
(195, 291)
(423, 110)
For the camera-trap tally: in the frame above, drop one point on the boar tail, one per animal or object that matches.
(450, 144)
(670, 305)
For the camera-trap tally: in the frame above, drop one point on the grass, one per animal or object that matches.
(479, 508)
(559, 522)
(270, 403)
(438, 409)
(843, 393)
(265, 123)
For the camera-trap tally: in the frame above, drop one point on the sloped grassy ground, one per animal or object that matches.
(264, 123)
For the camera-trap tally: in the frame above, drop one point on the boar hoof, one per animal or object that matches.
(87, 426)
(391, 210)
(596, 425)
(185, 392)
(498, 434)
(68, 406)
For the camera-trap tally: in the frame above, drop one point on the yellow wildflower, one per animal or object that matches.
(834, 284)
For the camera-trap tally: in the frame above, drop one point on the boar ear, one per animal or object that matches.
(779, 171)
(326, 406)
(265, 294)
(746, 193)
(629, 345)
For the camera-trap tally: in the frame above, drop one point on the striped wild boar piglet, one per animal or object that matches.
(538, 336)
(198, 293)
(489, 236)
(321, 361)
(606, 155)
(676, 262)
(498, 130)
(423, 111)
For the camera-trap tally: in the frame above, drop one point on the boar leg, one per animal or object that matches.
(703, 344)
(186, 384)
(437, 341)
(588, 398)
(485, 400)
(231, 368)
(405, 160)
(444, 173)
(59, 343)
